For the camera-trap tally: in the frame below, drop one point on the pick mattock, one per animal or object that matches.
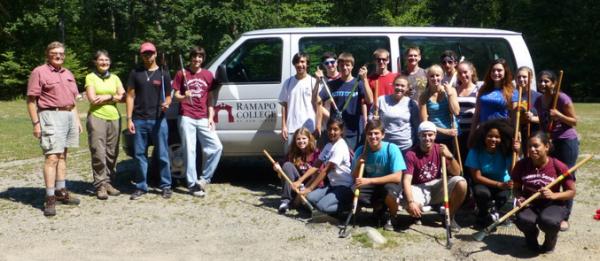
(453, 124)
(344, 232)
(282, 175)
(479, 236)
(446, 203)
(185, 82)
(555, 99)
(517, 124)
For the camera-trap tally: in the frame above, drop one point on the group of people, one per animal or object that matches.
(51, 104)
(403, 126)
(405, 129)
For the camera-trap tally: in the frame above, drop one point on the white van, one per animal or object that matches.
(253, 68)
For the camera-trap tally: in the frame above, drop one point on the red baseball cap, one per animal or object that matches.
(147, 47)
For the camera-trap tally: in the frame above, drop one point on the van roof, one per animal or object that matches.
(380, 29)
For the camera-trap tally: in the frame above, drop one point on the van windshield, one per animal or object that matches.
(479, 51)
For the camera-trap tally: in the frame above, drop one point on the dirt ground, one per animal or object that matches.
(238, 220)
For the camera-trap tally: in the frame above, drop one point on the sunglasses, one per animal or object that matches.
(328, 62)
(381, 59)
(147, 53)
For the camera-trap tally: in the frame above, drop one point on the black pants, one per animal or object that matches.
(546, 216)
(374, 195)
(484, 196)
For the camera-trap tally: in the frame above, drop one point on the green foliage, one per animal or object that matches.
(13, 77)
(556, 37)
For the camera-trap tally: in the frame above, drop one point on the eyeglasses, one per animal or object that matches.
(328, 62)
(57, 54)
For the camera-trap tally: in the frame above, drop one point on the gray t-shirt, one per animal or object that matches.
(417, 82)
(398, 118)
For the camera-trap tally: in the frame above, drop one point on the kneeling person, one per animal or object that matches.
(422, 181)
(380, 185)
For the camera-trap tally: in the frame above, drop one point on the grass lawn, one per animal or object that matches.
(16, 132)
(18, 142)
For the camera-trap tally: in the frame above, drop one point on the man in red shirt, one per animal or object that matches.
(196, 92)
(51, 93)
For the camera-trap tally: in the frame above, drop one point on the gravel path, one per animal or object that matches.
(238, 220)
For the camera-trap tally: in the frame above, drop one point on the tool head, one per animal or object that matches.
(479, 236)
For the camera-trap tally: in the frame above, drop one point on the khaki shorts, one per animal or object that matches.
(432, 192)
(59, 131)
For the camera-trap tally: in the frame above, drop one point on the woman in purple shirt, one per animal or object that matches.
(560, 122)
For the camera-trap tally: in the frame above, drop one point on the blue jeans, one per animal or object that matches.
(193, 130)
(158, 131)
(567, 151)
(331, 200)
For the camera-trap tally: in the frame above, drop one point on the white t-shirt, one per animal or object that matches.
(297, 94)
(338, 154)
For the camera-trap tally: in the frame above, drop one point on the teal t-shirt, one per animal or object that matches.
(492, 165)
(385, 161)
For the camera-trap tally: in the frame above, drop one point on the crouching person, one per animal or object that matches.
(422, 181)
(333, 162)
(380, 185)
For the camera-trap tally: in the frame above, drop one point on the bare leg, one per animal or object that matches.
(390, 202)
(61, 167)
(457, 197)
(50, 169)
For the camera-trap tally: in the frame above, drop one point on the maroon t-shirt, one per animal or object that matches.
(424, 167)
(200, 83)
(532, 179)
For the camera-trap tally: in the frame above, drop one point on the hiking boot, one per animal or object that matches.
(196, 191)
(101, 193)
(138, 193)
(284, 206)
(549, 243)
(112, 191)
(50, 206)
(65, 197)
(167, 193)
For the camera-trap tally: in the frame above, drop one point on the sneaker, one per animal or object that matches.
(203, 184)
(284, 206)
(112, 191)
(196, 191)
(65, 197)
(137, 194)
(454, 227)
(50, 206)
(417, 221)
(387, 222)
(167, 193)
(101, 193)
(564, 225)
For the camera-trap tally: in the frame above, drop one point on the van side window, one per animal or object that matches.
(256, 60)
(480, 51)
(361, 47)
